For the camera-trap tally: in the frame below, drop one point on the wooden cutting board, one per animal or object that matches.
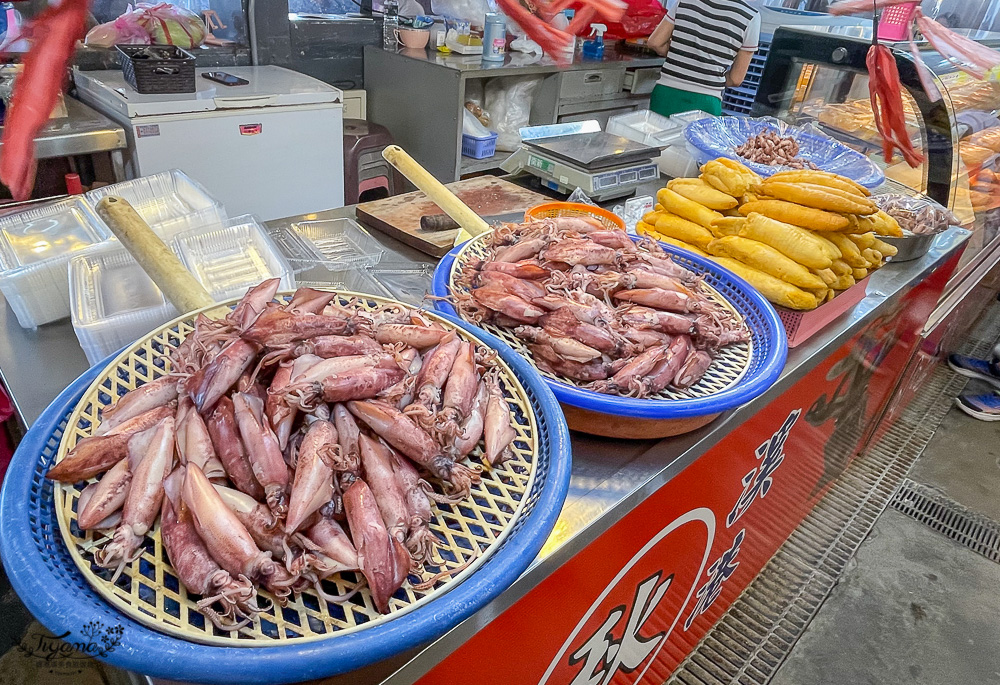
(399, 216)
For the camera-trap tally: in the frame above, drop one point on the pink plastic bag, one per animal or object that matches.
(125, 30)
(170, 25)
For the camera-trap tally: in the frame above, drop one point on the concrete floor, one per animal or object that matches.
(915, 607)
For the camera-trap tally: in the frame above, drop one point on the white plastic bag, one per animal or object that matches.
(508, 100)
(471, 126)
(473, 11)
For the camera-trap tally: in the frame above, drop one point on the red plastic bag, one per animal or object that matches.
(641, 17)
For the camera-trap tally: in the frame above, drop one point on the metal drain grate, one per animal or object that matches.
(758, 631)
(948, 517)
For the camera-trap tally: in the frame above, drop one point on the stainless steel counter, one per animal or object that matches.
(420, 95)
(610, 477)
(520, 64)
(83, 131)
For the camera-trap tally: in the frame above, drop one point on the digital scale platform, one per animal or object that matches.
(580, 155)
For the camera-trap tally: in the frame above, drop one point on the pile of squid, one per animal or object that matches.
(291, 442)
(615, 315)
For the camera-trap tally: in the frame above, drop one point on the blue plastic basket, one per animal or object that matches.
(44, 576)
(479, 148)
(715, 137)
(770, 348)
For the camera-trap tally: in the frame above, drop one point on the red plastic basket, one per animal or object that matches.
(800, 326)
(895, 21)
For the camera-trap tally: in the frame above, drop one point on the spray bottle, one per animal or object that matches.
(594, 47)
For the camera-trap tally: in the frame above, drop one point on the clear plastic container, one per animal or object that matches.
(341, 243)
(646, 127)
(35, 247)
(406, 281)
(114, 302)
(689, 116)
(229, 259)
(170, 202)
(359, 280)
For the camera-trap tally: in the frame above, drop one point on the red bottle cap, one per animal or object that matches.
(73, 185)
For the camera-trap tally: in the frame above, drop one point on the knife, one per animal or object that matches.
(443, 222)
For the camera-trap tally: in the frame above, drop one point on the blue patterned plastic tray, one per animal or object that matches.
(714, 137)
(744, 374)
(44, 575)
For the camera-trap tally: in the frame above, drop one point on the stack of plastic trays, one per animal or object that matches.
(229, 259)
(115, 302)
(343, 254)
(170, 202)
(35, 247)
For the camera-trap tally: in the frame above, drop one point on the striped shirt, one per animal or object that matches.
(707, 36)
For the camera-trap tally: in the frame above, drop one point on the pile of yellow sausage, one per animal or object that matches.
(798, 237)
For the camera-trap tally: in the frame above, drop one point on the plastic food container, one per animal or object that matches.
(170, 202)
(341, 243)
(646, 127)
(114, 302)
(35, 247)
(229, 259)
(360, 280)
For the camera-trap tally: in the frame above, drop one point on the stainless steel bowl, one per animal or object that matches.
(911, 246)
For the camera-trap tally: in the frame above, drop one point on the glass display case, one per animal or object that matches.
(817, 75)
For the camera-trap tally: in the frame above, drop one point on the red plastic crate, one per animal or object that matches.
(800, 326)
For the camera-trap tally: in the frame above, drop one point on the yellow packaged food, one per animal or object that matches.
(685, 208)
(822, 178)
(681, 244)
(774, 289)
(797, 215)
(697, 190)
(727, 225)
(681, 229)
(863, 240)
(848, 250)
(792, 241)
(765, 258)
(819, 197)
(840, 267)
(885, 248)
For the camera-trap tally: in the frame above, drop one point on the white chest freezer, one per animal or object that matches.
(273, 148)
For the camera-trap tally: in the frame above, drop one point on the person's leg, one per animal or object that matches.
(665, 101)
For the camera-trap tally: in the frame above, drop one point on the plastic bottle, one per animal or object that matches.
(594, 48)
(390, 23)
(494, 37)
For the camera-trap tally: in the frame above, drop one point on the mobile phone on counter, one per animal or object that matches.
(225, 79)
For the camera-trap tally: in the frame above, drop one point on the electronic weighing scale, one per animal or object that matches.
(580, 155)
